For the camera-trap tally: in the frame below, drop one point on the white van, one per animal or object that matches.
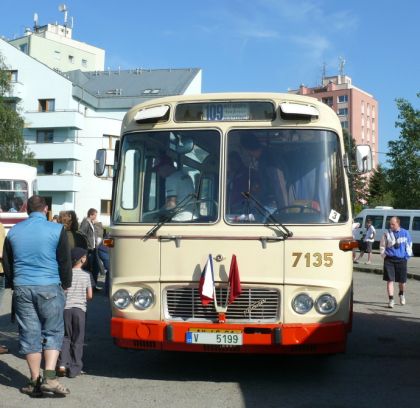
(380, 216)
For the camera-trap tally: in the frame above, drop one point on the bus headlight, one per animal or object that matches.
(121, 299)
(326, 304)
(302, 303)
(143, 299)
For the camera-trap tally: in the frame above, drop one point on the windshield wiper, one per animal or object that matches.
(169, 214)
(285, 232)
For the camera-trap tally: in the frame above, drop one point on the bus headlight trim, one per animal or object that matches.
(143, 299)
(302, 303)
(326, 304)
(121, 299)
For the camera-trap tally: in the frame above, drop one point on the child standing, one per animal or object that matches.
(78, 294)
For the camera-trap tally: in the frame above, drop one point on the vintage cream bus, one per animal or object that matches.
(17, 184)
(231, 225)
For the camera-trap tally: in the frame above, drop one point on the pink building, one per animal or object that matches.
(356, 109)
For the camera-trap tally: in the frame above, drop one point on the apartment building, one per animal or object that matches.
(357, 109)
(68, 116)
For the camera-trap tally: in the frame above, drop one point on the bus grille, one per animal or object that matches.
(253, 304)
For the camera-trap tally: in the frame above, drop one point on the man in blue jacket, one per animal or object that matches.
(37, 265)
(396, 247)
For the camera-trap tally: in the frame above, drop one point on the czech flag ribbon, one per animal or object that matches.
(235, 288)
(206, 287)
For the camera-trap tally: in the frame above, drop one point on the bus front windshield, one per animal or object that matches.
(289, 176)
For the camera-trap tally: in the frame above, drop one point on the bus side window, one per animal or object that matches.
(416, 224)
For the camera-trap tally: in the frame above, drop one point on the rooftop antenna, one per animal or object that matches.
(35, 21)
(63, 9)
(324, 72)
(341, 64)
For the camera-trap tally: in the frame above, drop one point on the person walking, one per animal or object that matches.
(70, 362)
(3, 349)
(37, 265)
(368, 240)
(396, 247)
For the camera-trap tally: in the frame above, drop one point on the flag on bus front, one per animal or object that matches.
(206, 287)
(235, 287)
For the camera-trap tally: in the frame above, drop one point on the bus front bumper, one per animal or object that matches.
(316, 338)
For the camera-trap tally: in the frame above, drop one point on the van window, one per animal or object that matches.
(404, 221)
(359, 220)
(416, 224)
(377, 220)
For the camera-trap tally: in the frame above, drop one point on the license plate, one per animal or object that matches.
(220, 337)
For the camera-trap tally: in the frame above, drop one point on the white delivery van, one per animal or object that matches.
(380, 216)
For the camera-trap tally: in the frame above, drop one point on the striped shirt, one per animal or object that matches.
(76, 294)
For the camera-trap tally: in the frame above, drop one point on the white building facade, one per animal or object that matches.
(69, 116)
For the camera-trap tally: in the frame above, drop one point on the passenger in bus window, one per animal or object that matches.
(178, 184)
(237, 183)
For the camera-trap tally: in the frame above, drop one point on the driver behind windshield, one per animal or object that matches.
(178, 183)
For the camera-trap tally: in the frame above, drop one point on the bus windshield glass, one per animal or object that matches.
(13, 195)
(169, 176)
(285, 176)
(292, 176)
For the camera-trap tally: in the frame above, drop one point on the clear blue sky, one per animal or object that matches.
(252, 45)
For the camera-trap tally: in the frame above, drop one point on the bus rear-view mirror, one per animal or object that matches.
(364, 158)
(100, 162)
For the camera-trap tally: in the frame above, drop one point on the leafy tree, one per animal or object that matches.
(404, 157)
(357, 182)
(12, 144)
(379, 190)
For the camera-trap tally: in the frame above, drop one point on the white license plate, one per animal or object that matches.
(221, 338)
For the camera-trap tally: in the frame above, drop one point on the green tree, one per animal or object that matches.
(12, 144)
(404, 157)
(379, 189)
(357, 182)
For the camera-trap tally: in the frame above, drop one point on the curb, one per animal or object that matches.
(379, 271)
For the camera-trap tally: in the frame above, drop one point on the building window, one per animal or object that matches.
(71, 59)
(345, 124)
(24, 48)
(105, 207)
(343, 112)
(368, 110)
(46, 105)
(13, 75)
(45, 136)
(343, 98)
(328, 101)
(84, 63)
(45, 167)
(363, 107)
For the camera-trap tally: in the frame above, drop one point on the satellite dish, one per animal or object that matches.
(62, 7)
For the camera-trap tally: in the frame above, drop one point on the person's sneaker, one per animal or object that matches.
(368, 263)
(33, 388)
(402, 300)
(355, 261)
(52, 385)
(391, 303)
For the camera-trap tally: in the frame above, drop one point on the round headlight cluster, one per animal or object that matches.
(142, 299)
(325, 304)
(121, 299)
(302, 303)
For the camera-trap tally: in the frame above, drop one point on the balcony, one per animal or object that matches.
(17, 91)
(56, 151)
(55, 119)
(59, 182)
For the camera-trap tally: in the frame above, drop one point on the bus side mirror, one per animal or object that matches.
(364, 158)
(100, 162)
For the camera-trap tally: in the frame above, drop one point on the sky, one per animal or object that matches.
(252, 45)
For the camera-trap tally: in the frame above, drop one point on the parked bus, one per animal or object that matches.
(17, 183)
(380, 216)
(231, 225)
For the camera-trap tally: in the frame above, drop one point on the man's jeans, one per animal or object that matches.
(39, 313)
